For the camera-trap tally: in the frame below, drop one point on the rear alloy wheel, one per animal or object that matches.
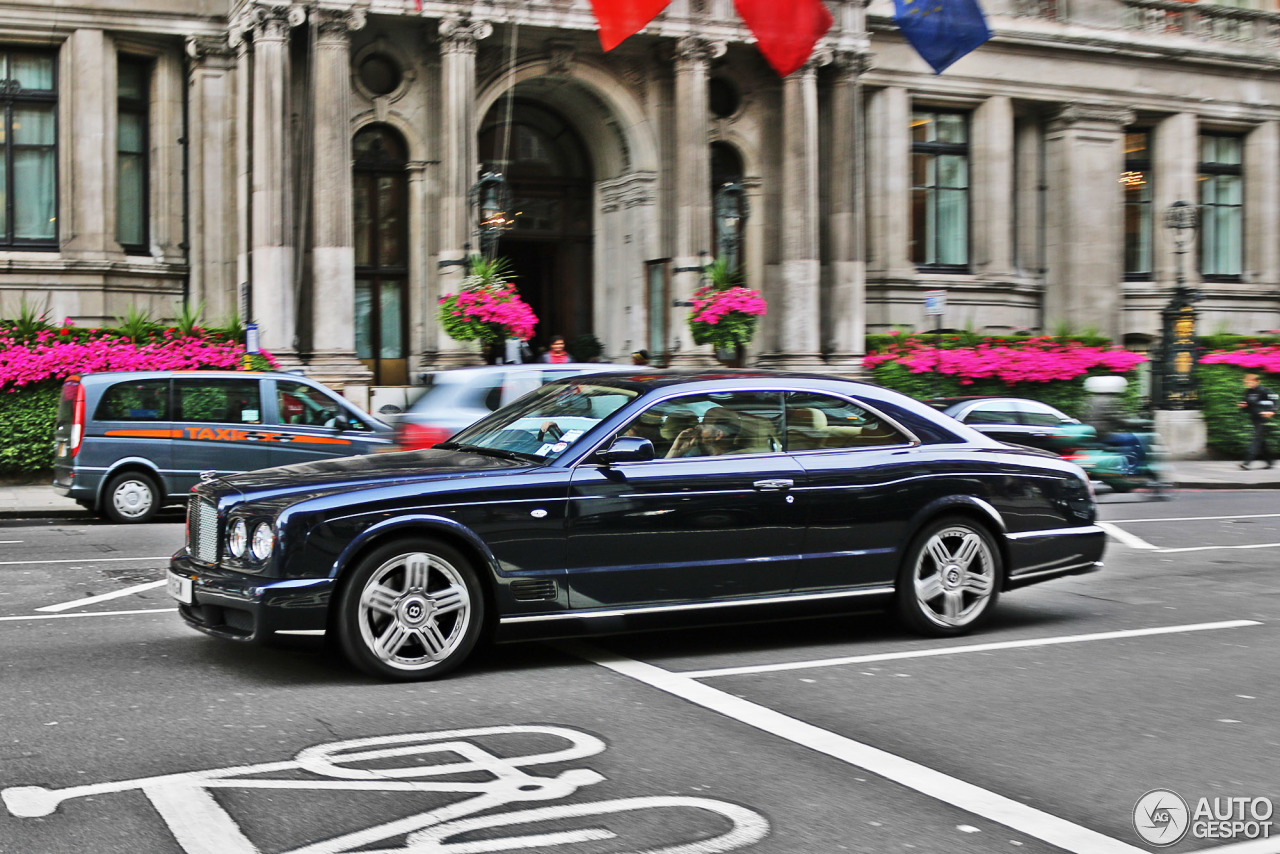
(951, 578)
(130, 498)
(411, 610)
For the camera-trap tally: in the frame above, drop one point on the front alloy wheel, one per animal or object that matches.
(951, 578)
(410, 611)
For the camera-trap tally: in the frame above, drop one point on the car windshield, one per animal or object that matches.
(545, 423)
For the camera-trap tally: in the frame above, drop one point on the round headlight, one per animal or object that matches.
(263, 540)
(238, 538)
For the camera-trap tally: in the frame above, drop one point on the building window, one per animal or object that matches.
(133, 93)
(1136, 181)
(29, 185)
(940, 191)
(1221, 207)
(382, 253)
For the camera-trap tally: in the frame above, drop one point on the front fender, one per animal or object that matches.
(417, 524)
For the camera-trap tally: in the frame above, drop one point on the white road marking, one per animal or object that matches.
(1197, 518)
(976, 647)
(126, 591)
(86, 614)
(1211, 548)
(87, 561)
(9, 542)
(1130, 540)
(1022, 818)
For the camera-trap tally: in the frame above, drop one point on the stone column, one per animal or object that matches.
(889, 187)
(87, 228)
(212, 176)
(1262, 219)
(274, 303)
(332, 236)
(692, 188)
(992, 188)
(1175, 159)
(1084, 226)
(844, 309)
(798, 302)
(458, 168)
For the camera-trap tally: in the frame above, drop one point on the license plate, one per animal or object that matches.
(180, 588)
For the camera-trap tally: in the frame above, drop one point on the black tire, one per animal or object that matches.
(410, 610)
(132, 498)
(950, 579)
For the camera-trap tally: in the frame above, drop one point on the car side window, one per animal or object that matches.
(301, 404)
(712, 424)
(223, 401)
(991, 414)
(1041, 416)
(145, 400)
(819, 422)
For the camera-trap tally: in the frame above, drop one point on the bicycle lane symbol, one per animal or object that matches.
(200, 825)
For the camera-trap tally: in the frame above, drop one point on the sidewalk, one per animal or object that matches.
(35, 501)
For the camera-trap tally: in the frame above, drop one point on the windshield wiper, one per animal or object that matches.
(501, 453)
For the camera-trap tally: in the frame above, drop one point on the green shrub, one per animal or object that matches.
(26, 423)
(1221, 388)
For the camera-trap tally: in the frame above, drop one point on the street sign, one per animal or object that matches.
(251, 338)
(935, 303)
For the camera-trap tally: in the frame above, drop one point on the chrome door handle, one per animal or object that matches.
(779, 483)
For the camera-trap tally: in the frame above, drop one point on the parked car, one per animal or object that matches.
(460, 397)
(127, 443)
(597, 500)
(1010, 419)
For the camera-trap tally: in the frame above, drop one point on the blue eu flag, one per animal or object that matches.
(941, 31)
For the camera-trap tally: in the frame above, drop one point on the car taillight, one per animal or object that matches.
(415, 436)
(77, 421)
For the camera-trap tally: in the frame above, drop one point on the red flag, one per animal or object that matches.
(785, 31)
(619, 19)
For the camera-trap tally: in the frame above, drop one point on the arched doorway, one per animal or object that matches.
(381, 221)
(550, 175)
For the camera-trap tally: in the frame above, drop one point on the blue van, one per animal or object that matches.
(127, 443)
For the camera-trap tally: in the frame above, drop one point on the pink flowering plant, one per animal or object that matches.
(724, 313)
(487, 308)
(1050, 369)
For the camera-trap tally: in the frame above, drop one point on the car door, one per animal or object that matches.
(702, 528)
(308, 423)
(998, 419)
(217, 423)
(861, 485)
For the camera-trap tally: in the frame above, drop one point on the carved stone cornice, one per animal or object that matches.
(561, 56)
(1076, 113)
(459, 34)
(636, 189)
(337, 24)
(202, 49)
(265, 22)
(850, 65)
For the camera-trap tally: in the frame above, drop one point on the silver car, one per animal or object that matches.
(459, 397)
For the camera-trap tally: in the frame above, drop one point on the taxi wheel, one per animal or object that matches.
(410, 610)
(131, 497)
(951, 578)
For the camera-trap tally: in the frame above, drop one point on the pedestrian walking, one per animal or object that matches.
(1260, 404)
(556, 355)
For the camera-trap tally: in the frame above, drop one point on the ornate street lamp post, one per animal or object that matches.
(730, 205)
(491, 200)
(1173, 378)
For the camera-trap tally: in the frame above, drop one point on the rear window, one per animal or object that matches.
(67, 403)
(141, 400)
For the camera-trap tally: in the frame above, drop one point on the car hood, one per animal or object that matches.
(349, 474)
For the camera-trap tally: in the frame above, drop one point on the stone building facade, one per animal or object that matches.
(313, 166)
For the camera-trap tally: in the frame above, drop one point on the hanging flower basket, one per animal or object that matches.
(487, 308)
(725, 313)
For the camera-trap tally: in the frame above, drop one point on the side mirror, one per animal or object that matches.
(627, 449)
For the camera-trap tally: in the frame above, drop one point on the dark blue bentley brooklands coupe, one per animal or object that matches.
(599, 499)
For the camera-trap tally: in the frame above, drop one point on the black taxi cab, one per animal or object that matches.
(126, 443)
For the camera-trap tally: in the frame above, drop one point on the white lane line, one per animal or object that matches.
(87, 614)
(976, 647)
(86, 561)
(966, 796)
(1211, 548)
(9, 542)
(1196, 518)
(91, 600)
(1130, 540)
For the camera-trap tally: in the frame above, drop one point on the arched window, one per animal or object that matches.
(382, 253)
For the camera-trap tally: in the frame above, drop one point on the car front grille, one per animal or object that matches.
(202, 530)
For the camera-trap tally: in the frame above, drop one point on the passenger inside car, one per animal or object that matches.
(717, 434)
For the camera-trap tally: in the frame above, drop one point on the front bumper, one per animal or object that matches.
(240, 607)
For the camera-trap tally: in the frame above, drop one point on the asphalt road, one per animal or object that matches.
(127, 732)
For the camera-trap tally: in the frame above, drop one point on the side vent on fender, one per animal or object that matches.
(533, 589)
